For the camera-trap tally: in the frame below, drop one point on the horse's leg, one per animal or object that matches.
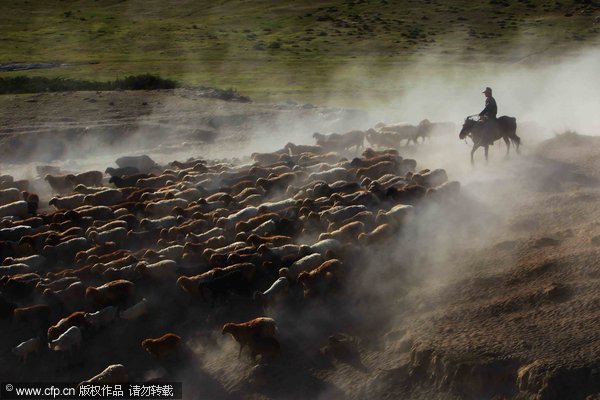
(486, 153)
(475, 146)
(507, 141)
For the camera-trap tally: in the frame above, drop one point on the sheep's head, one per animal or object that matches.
(228, 328)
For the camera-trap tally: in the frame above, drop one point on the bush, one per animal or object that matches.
(38, 84)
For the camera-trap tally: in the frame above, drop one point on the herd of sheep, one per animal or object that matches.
(216, 233)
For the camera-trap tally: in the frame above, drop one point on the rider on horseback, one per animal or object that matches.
(488, 115)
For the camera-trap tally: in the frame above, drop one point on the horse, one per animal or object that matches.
(506, 128)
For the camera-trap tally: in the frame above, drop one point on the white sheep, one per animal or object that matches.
(101, 317)
(276, 206)
(136, 311)
(10, 195)
(68, 341)
(203, 237)
(24, 349)
(67, 202)
(274, 293)
(35, 261)
(305, 264)
(323, 246)
(108, 197)
(17, 209)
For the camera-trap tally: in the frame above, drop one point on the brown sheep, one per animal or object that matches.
(59, 183)
(89, 178)
(74, 319)
(323, 279)
(162, 347)
(37, 314)
(246, 332)
(110, 294)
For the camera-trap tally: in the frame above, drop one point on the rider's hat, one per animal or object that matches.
(487, 90)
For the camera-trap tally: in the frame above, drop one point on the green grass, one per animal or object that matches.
(269, 49)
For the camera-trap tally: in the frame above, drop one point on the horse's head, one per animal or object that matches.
(467, 127)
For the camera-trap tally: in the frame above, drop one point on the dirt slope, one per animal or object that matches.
(498, 299)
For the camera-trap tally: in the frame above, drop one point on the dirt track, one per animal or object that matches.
(501, 300)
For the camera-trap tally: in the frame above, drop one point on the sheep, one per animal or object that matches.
(322, 279)
(97, 212)
(323, 246)
(203, 237)
(306, 263)
(89, 178)
(281, 251)
(396, 215)
(280, 182)
(17, 209)
(59, 183)
(37, 314)
(160, 270)
(232, 219)
(68, 341)
(155, 181)
(143, 163)
(10, 195)
(160, 223)
(20, 286)
(136, 311)
(57, 284)
(67, 202)
(106, 197)
(236, 280)
(66, 250)
(127, 180)
(121, 171)
(116, 235)
(162, 347)
(276, 291)
(164, 207)
(35, 261)
(245, 332)
(111, 293)
(330, 175)
(103, 226)
(115, 373)
(74, 319)
(377, 170)
(341, 213)
(266, 347)
(348, 232)
(14, 269)
(70, 297)
(274, 207)
(101, 317)
(378, 235)
(26, 348)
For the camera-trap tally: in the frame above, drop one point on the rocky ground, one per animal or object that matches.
(499, 300)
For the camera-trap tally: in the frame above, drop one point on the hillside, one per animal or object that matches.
(290, 47)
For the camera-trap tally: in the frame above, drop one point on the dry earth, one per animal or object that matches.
(498, 300)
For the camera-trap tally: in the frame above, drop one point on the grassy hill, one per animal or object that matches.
(286, 47)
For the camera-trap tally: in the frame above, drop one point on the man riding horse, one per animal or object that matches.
(485, 128)
(488, 116)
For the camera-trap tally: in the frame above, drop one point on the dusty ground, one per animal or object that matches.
(495, 299)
